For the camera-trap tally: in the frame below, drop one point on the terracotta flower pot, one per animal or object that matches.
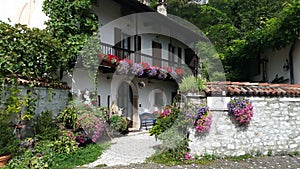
(4, 159)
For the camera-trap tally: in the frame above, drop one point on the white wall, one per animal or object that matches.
(164, 40)
(28, 12)
(296, 61)
(274, 127)
(146, 95)
(275, 62)
(108, 85)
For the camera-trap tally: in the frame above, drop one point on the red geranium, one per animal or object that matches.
(145, 65)
(113, 59)
(179, 71)
(168, 69)
(128, 61)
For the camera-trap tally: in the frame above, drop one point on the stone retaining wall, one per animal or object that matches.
(50, 99)
(53, 100)
(275, 128)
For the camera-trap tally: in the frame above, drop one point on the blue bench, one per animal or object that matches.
(147, 119)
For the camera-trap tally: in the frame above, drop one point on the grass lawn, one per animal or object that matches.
(82, 156)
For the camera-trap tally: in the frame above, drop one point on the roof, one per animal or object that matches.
(178, 28)
(135, 4)
(252, 89)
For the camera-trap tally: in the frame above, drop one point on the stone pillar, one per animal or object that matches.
(135, 116)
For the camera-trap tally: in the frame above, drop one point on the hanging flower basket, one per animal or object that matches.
(105, 63)
(241, 109)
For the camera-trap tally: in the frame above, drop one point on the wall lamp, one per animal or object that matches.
(286, 65)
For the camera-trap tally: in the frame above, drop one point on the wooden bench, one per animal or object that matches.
(147, 119)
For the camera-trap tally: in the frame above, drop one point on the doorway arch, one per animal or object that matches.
(127, 97)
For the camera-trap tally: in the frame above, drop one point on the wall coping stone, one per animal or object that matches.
(252, 89)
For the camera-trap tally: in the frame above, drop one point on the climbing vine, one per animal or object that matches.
(72, 23)
(28, 53)
(90, 59)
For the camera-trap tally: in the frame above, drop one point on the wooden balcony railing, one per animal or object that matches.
(137, 56)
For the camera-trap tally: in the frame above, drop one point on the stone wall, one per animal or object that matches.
(51, 99)
(275, 128)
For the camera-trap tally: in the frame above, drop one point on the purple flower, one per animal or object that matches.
(137, 69)
(152, 71)
(242, 109)
(173, 73)
(123, 67)
(162, 74)
(39, 155)
(203, 124)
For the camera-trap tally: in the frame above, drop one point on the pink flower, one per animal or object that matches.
(68, 134)
(188, 156)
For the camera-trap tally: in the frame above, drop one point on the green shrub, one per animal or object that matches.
(171, 128)
(68, 116)
(192, 84)
(39, 156)
(8, 142)
(64, 144)
(45, 128)
(42, 157)
(118, 123)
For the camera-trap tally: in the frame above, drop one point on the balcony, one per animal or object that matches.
(138, 57)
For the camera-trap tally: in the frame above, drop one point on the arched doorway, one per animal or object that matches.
(128, 100)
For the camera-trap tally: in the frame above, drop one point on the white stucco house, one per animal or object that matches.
(133, 31)
(279, 66)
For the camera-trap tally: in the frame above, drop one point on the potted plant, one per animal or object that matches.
(118, 123)
(192, 85)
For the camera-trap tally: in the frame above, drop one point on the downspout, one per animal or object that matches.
(291, 62)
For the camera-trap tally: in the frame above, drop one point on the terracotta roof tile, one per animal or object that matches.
(252, 89)
(25, 82)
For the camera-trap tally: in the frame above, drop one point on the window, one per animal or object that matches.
(99, 101)
(137, 48)
(108, 102)
(179, 54)
(122, 44)
(158, 99)
(171, 55)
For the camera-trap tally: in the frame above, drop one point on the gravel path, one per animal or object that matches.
(133, 148)
(131, 151)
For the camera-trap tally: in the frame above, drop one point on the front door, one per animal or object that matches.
(125, 100)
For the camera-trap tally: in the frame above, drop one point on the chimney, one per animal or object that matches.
(145, 2)
(162, 7)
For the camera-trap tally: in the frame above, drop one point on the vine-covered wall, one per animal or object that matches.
(45, 98)
(50, 99)
(274, 129)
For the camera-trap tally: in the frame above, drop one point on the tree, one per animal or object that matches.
(240, 30)
(72, 23)
(28, 53)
